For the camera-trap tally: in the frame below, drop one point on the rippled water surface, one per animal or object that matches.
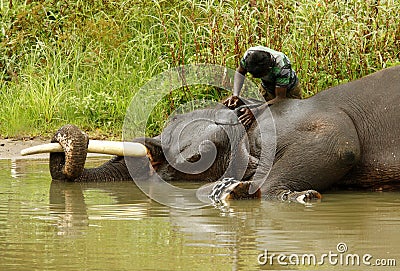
(46, 225)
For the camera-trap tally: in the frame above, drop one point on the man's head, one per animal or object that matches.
(258, 63)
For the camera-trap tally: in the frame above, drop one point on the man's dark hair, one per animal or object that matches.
(258, 62)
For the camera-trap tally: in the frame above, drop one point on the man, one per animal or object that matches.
(278, 79)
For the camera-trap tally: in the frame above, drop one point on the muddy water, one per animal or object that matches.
(46, 225)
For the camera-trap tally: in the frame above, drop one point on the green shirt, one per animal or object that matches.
(281, 74)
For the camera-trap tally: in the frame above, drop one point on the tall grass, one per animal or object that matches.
(81, 62)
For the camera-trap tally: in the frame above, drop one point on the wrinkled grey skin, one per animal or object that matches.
(347, 136)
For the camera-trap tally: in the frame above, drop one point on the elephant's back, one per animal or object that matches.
(374, 89)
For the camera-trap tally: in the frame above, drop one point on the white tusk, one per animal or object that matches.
(95, 146)
(117, 148)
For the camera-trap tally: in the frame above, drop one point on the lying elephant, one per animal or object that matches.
(347, 136)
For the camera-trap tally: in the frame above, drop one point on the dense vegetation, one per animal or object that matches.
(82, 62)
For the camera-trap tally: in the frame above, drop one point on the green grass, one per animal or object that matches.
(82, 62)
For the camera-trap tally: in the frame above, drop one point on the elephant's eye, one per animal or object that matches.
(194, 158)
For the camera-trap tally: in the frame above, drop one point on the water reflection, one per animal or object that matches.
(366, 222)
(68, 204)
(114, 225)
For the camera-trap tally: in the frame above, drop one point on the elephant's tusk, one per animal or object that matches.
(117, 148)
(95, 146)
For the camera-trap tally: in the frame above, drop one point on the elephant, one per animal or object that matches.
(345, 137)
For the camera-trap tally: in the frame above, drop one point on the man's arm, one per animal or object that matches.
(238, 80)
(280, 94)
(232, 101)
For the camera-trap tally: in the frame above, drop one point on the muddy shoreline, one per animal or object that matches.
(11, 148)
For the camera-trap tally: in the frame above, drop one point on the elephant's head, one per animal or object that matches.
(203, 145)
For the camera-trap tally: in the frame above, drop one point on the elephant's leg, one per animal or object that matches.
(322, 152)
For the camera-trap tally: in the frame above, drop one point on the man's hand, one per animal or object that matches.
(246, 117)
(232, 102)
(275, 100)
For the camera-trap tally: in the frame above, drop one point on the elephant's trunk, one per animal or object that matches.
(69, 165)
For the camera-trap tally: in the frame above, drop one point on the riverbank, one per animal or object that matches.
(11, 148)
(82, 62)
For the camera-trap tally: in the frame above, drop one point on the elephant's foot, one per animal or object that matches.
(301, 197)
(231, 189)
